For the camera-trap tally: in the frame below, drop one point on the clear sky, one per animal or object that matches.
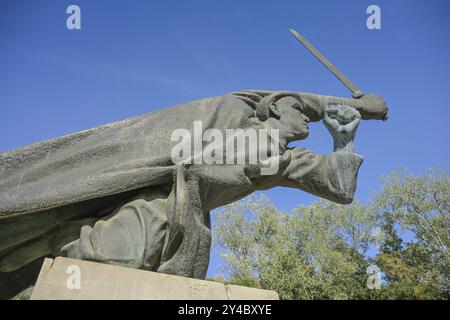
(131, 57)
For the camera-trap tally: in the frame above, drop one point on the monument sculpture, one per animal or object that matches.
(116, 193)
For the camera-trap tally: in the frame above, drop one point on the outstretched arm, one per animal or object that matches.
(331, 177)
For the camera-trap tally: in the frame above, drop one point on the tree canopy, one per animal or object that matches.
(331, 251)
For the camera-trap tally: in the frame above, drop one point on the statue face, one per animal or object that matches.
(293, 122)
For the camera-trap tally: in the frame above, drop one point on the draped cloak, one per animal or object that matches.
(86, 173)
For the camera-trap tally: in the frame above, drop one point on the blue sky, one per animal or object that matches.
(132, 57)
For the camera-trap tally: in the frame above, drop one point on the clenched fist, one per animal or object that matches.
(342, 122)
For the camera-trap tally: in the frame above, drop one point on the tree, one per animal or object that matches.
(316, 252)
(420, 205)
(321, 251)
(391, 242)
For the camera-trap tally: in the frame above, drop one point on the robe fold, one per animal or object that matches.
(89, 173)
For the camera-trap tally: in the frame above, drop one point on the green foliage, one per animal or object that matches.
(316, 252)
(321, 251)
(420, 205)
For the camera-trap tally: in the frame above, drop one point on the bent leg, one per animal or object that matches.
(133, 236)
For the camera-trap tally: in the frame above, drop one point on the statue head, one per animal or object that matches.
(292, 119)
(285, 111)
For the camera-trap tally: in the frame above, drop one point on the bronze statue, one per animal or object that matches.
(115, 194)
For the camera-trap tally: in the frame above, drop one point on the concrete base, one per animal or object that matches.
(70, 279)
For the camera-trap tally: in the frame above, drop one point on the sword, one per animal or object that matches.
(356, 93)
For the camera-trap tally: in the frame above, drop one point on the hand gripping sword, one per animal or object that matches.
(356, 93)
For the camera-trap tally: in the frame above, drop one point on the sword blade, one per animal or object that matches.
(356, 93)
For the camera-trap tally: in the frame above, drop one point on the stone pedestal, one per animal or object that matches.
(70, 279)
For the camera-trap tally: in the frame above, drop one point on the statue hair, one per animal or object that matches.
(264, 103)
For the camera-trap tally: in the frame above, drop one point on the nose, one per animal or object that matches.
(306, 119)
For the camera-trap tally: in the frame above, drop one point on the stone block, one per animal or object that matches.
(71, 279)
(245, 293)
